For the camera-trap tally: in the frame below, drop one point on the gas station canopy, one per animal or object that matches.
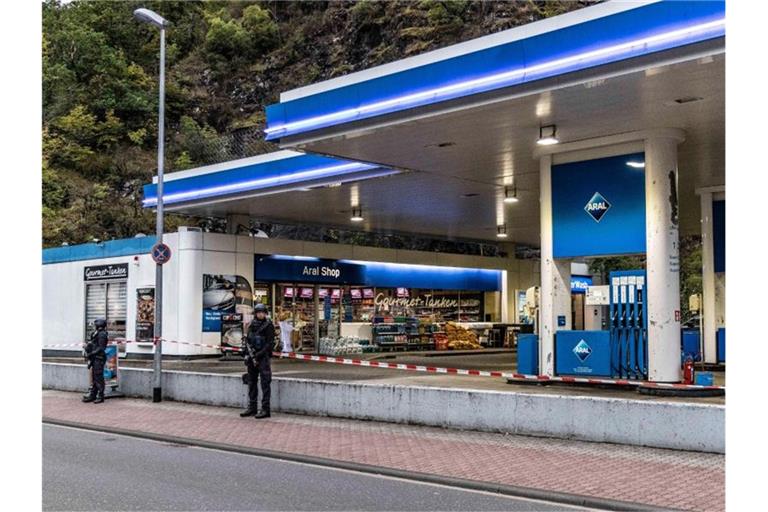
(431, 144)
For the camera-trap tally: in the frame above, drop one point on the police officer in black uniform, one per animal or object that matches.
(257, 350)
(95, 353)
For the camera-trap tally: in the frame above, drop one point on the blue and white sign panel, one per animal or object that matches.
(579, 284)
(585, 353)
(368, 273)
(598, 207)
(307, 270)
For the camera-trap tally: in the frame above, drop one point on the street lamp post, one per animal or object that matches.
(151, 17)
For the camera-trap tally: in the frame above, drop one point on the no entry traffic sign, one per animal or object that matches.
(161, 253)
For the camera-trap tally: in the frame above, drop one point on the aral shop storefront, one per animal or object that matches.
(336, 298)
(393, 306)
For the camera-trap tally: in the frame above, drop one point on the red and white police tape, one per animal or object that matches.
(435, 369)
(484, 373)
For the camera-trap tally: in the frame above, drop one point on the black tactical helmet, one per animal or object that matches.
(100, 323)
(260, 307)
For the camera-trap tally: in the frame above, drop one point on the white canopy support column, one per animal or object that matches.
(663, 257)
(555, 292)
(662, 244)
(708, 280)
(709, 293)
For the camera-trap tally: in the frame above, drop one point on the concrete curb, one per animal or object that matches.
(508, 490)
(658, 424)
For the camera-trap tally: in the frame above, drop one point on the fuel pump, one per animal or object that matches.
(628, 324)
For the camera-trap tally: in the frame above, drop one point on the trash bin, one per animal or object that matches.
(528, 354)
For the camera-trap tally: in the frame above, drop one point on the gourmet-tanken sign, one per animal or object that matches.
(422, 301)
(103, 272)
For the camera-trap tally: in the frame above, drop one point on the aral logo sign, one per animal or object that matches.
(582, 350)
(597, 206)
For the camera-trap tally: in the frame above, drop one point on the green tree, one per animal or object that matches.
(226, 60)
(261, 29)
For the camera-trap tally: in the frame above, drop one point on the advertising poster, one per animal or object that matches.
(346, 303)
(145, 314)
(327, 308)
(225, 294)
(110, 367)
(231, 330)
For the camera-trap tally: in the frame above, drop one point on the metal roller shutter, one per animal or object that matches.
(117, 306)
(108, 301)
(95, 305)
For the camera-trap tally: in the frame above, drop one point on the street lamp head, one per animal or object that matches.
(152, 17)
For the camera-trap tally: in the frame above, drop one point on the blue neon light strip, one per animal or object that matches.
(260, 176)
(391, 275)
(633, 33)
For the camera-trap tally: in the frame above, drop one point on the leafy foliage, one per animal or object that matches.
(225, 62)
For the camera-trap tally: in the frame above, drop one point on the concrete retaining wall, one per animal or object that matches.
(683, 426)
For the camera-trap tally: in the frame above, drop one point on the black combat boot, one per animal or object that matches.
(264, 413)
(250, 411)
(99, 398)
(89, 398)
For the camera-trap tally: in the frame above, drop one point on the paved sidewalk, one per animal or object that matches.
(663, 478)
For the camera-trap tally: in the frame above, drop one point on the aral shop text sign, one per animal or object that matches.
(307, 270)
(103, 272)
(310, 271)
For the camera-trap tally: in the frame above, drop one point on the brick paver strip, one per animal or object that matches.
(663, 478)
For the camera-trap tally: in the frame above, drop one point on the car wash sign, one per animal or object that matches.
(580, 284)
(598, 207)
(307, 270)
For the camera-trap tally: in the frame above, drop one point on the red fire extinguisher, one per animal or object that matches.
(688, 370)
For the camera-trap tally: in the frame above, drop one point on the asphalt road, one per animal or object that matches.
(84, 470)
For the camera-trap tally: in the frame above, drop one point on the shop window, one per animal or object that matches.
(108, 301)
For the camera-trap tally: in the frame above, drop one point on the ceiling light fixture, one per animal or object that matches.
(501, 231)
(547, 135)
(636, 165)
(510, 197)
(357, 215)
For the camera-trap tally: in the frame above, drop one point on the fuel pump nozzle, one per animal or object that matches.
(625, 321)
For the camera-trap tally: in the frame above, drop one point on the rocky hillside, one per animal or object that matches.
(226, 62)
